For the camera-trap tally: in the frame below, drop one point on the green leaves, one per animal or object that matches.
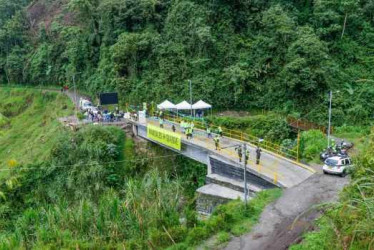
(275, 54)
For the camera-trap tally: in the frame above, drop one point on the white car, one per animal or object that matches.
(85, 104)
(339, 165)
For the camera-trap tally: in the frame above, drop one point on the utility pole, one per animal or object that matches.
(190, 95)
(75, 96)
(298, 145)
(244, 148)
(329, 127)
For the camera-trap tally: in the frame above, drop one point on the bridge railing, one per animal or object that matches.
(241, 136)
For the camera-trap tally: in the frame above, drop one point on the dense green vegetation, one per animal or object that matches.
(271, 127)
(277, 54)
(349, 224)
(86, 195)
(28, 124)
(95, 188)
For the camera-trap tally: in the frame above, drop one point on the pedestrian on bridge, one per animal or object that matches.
(173, 128)
(189, 133)
(247, 155)
(240, 152)
(209, 132)
(258, 154)
(161, 123)
(216, 142)
(181, 125)
(220, 132)
(161, 114)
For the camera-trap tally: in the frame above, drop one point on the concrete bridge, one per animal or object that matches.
(225, 174)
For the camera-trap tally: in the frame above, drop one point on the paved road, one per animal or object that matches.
(283, 222)
(285, 172)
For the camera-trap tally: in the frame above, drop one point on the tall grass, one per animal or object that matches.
(31, 124)
(350, 223)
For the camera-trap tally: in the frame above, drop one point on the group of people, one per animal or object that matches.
(188, 127)
(239, 150)
(104, 116)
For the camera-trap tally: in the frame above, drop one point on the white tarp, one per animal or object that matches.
(166, 105)
(201, 105)
(183, 106)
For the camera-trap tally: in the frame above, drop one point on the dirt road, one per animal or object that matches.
(283, 222)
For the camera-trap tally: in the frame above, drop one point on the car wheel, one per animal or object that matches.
(325, 172)
(343, 174)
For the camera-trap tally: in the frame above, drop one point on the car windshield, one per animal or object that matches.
(331, 162)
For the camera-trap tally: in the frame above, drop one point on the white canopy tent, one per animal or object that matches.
(183, 106)
(166, 105)
(201, 105)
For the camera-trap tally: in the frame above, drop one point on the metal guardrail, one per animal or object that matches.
(204, 141)
(305, 125)
(239, 135)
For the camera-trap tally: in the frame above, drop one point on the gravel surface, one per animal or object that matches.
(283, 222)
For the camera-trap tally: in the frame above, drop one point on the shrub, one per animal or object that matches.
(191, 218)
(159, 238)
(4, 121)
(196, 235)
(312, 142)
(223, 237)
(271, 127)
(80, 116)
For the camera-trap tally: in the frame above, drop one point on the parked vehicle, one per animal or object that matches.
(339, 165)
(338, 150)
(346, 145)
(329, 152)
(84, 104)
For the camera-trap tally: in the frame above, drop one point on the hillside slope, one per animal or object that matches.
(30, 124)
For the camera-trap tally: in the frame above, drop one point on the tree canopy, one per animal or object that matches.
(277, 54)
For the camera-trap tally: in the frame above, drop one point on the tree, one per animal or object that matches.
(306, 73)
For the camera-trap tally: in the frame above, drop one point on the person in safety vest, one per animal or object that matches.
(240, 153)
(161, 123)
(258, 154)
(216, 142)
(333, 145)
(189, 133)
(209, 132)
(220, 132)
(246, 156)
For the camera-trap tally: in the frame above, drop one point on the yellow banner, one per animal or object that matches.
(164, 136)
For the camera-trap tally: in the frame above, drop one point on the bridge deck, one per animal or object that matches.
(280, 170)
(277, 168)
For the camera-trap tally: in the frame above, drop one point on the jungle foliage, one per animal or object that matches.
(86, 196)
(277, 55)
